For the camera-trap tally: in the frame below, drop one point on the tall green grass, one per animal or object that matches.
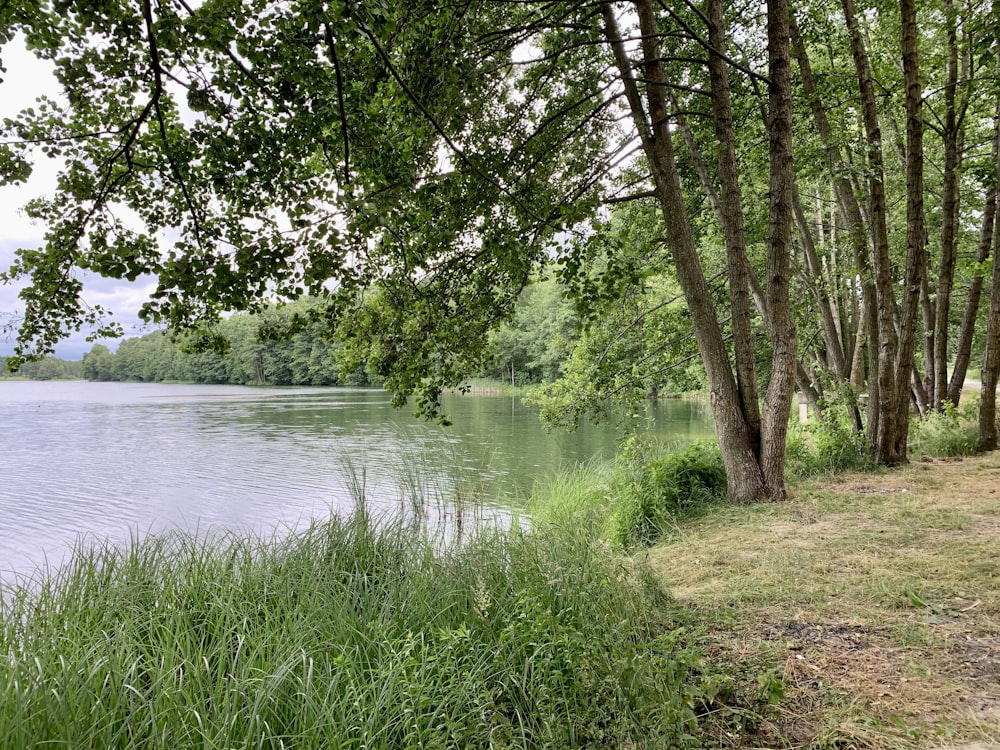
(950, 432)
(349, 635)
(640, 497)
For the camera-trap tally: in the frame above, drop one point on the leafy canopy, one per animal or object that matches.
(400, 162)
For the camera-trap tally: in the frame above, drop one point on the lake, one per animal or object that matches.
(110, 460)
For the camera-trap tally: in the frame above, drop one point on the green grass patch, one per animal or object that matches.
(349, 636)
(640, 497)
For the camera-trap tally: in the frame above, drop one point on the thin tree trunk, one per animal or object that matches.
(963, 348)
(950, 208)
(921, 397)
(915, 227)
(858, 361)
(991, 363)
(817, 287)
(743, 469)
(809, 390)
(883, 415)
(927, 308)
(851, 213)
(991, 358)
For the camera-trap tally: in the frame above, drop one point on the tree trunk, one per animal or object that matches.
(991, 364)
(882, 428)
(778, 399)
(915, 229)
(963, 349)
(991, 358)
(854, 220)
(818, 289)
(731, 205)
(950, 208)
(744, 473)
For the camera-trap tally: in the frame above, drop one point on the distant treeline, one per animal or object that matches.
(50, 368)
(541, 343)
(261, 349)
(269, 348)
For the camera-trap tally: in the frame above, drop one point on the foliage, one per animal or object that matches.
(49, 368)
(347, 635)
(656, 489)
(535, 344)
(636, 337)
(828, 446)
(271, 347)
(387, 159)
(950, 432)
(641, 498)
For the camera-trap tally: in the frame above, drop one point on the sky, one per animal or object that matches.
(25, 80)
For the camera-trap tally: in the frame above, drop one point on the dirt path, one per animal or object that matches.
(878, 595)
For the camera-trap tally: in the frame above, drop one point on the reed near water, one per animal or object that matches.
(351, 634)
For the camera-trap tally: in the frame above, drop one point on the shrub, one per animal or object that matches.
(652, 489)
(950, 432)
(826, 447)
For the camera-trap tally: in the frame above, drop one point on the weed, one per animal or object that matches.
(950, 432)
(640, 498)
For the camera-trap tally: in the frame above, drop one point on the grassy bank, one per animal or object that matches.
(493, 387)
(876, 596)
(863, 613)
(348, 636)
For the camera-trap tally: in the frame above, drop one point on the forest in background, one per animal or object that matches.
(275, 347)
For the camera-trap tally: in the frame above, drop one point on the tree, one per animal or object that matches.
(98, 363)
(410, 165)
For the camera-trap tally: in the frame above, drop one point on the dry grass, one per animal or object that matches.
(879, 595)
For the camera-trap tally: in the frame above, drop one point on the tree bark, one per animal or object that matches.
(950, 208)
(854, 221)
(731, 205)
(963, 348)
(744, 472)
(915, 228)
(991, 358)
(778, 399)
(882, 428)
(991, 364)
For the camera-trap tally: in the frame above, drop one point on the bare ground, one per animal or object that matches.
(878, 596)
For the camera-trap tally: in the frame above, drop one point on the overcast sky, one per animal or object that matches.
(26, 79)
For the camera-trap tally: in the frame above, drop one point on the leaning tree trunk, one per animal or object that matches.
(744, 471)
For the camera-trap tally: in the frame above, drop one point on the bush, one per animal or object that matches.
(652, 490)
(950, 432)
(826, 447)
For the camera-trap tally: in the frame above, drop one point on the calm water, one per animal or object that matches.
(107, 460)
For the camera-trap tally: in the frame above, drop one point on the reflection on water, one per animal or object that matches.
(111, 459)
